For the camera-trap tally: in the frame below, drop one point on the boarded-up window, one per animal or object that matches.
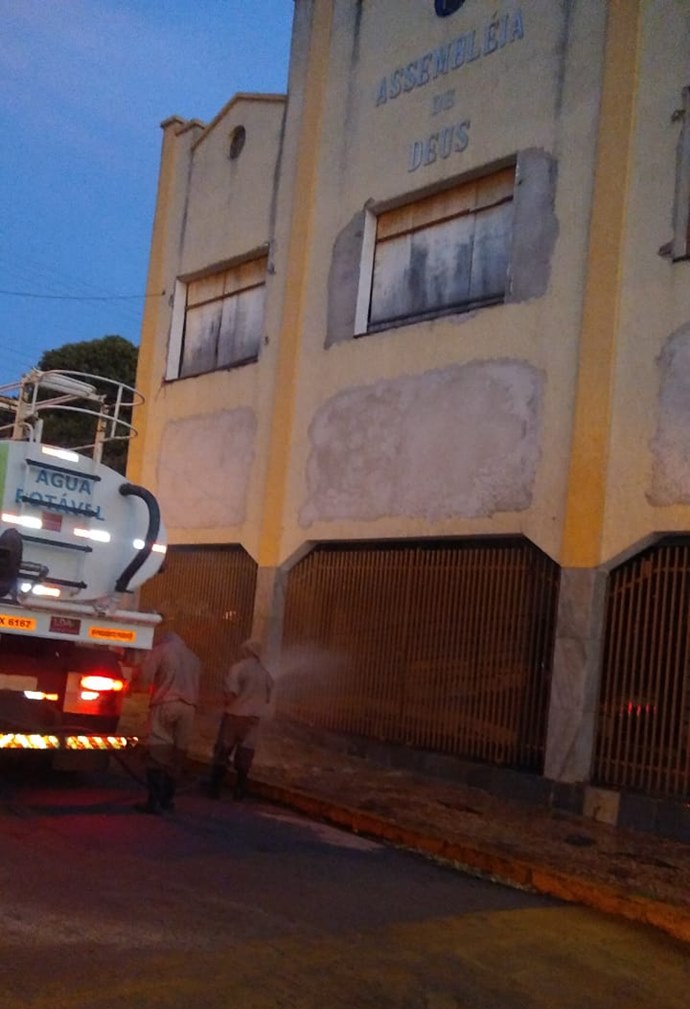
(224, 318)
(444, 253)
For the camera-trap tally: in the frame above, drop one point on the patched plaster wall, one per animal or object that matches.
(343, 281)
(670, 446)
(535, 225)
(204, 469)
(463, 440)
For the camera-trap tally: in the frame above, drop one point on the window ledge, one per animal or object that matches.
(465, 310)
(213, 371)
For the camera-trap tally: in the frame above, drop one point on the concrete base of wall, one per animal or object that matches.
(665, 817)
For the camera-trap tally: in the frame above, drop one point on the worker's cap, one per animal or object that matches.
(252, 647)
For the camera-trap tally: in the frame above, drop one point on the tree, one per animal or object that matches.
(112, 357)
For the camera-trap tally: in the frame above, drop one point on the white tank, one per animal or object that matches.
(87, 533)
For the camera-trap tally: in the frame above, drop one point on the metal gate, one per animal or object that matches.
(439, 645)
(206, 595)
(643, 740)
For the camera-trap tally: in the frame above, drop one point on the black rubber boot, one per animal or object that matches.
(154, 781)
(215, 785)
(168, 794)
(243, 762)
(239, 792)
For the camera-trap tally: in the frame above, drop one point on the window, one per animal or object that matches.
(223, 318)
(445, 253)
(238, 138)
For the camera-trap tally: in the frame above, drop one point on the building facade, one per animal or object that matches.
(417, 387)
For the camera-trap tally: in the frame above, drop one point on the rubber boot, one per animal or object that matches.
(168, 794)
(216, 783)
(154, 781)
(243, 762)
(239, 792)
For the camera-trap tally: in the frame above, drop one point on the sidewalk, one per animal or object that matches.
(637, 876)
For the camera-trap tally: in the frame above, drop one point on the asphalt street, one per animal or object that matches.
(249, 905)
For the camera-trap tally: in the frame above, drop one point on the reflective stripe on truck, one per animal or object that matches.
(37, 741)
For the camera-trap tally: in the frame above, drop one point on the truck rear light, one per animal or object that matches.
(98, 692)
(99, 684)
(39, 695)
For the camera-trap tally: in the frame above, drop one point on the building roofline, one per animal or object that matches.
(241, 96)
(171, 120)
(182, 125)
(190, 125)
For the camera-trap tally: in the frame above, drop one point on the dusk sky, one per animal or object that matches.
(85, 85)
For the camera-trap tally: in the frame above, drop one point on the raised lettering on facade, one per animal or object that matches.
(452, 138)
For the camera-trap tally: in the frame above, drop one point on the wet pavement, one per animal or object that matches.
(251, 905)
(640, 876)
(637, 867)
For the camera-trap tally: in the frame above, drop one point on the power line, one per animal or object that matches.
(80, 297)
(51, 280)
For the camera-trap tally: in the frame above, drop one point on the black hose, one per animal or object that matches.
(133, 490)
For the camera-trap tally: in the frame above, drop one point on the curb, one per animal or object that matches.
(671, 919)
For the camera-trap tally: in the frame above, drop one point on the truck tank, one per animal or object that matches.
(76, 541)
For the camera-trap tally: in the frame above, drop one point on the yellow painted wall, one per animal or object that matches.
(587, 84)
(148, 365)
(193, 235)
(655, 292)
(511, 98)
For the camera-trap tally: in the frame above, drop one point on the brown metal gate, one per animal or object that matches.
(206, 594)
(643, 740)
(444, 646)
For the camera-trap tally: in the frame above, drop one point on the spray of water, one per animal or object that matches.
(304, 672)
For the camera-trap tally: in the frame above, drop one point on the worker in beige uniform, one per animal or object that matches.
(173, 671)
(247, 693)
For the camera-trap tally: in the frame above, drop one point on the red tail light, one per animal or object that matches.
(101, 683)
